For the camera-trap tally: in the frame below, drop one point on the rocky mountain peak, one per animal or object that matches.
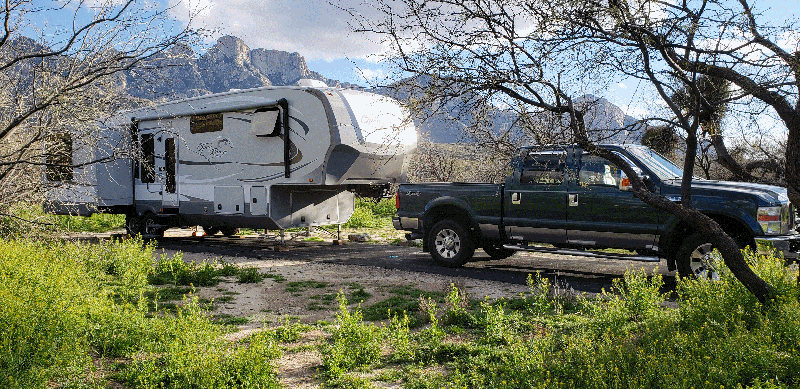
(230, 48)
(282, 67)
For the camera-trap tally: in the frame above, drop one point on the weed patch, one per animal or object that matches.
(250, 275)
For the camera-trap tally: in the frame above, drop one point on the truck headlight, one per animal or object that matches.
(775, 220)
(770, 220)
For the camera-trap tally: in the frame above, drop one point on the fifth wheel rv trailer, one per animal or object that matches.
(273, 157)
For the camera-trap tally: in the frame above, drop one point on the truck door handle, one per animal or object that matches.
(516, 197)
(572, 199)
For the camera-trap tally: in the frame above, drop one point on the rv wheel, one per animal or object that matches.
(228, 231)
(210, 230)
(133, 225)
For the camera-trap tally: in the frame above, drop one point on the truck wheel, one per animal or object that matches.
(228, 231)
(694, 258)
(498, 252)
(210, 230)
(450, 244)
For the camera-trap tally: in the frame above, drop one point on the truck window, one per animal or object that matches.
(59, 159)
(544, 168)
(597, 171)
(199, 124)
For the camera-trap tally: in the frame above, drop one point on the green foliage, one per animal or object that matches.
(353, 344)
(405, 299)
(250, 275)
(718, 336)
(371, 214)
(28, 219)
(67, 304)
(192, 362)
(299, 286)
(98, 222)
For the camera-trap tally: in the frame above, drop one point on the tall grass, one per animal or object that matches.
(718, 335)
(67, 307)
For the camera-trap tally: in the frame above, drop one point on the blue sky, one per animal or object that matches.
(321, 33)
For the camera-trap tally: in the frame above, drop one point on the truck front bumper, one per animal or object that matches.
(788, 245)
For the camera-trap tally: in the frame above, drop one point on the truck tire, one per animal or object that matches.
(693, 258)
(210, 230)
(498, 252)
(450, 244)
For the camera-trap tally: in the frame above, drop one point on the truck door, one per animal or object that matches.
(602, 210)
(535, 197)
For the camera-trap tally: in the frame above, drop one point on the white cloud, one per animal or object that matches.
(621, 85)
(314, 28)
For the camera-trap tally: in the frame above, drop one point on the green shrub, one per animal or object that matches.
(67, 305)
(371, 214)
(719, 336)
(201, 362)
(250, 275)
(353, 344)
(174, 270)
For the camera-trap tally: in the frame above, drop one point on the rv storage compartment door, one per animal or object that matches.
(258, 200)
(228, 199)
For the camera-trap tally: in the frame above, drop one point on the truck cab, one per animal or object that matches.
(569, 199)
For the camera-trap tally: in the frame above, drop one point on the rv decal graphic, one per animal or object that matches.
(214, 149)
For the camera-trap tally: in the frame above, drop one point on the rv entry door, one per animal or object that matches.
(156, 181)
(169, 196)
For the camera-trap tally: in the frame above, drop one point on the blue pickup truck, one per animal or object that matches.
(574, 201)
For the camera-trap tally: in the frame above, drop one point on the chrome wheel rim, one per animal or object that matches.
(447, 243)
(701, 264)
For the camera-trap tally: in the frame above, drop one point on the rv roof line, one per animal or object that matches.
(238, 91)
(206, 111)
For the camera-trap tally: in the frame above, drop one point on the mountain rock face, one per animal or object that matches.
(229, 64)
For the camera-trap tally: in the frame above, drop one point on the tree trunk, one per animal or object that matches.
(793, 159)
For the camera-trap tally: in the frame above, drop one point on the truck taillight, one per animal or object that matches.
(397, 201)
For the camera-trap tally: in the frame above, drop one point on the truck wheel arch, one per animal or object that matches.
(736, 228)
(452, 212)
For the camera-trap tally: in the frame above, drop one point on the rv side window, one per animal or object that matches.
(266, 122)
(148, 158)
(59, 159)
(199, 124)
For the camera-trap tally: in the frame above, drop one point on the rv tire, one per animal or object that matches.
(228, 231)
(210, 230)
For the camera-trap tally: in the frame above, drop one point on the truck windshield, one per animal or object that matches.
(660, 166)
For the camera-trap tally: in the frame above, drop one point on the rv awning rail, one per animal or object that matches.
(205, 111)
